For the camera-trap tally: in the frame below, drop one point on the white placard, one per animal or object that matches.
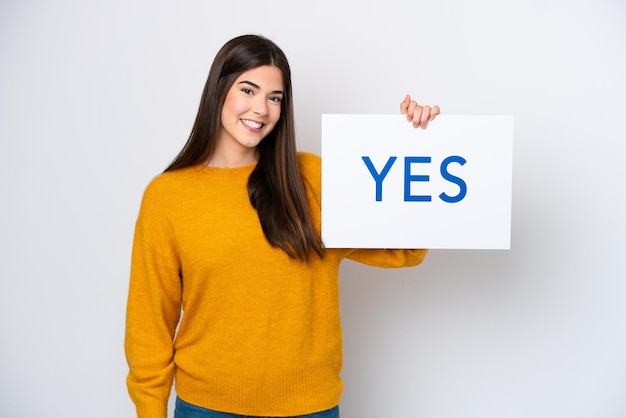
(386, 184)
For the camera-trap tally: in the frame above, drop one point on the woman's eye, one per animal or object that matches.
(276, 99)
(246, 90)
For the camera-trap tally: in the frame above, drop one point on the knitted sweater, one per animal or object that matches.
(243, 328)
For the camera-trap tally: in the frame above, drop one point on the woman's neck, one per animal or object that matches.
(232, 160)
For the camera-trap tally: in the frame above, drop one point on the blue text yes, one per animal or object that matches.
(409, 178)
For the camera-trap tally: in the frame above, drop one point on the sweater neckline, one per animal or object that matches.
(226, 171)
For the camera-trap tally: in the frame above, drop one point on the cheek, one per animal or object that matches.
(231, 105)
(234, 104)
(275, 114)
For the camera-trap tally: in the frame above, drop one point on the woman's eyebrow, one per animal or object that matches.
(256, 86)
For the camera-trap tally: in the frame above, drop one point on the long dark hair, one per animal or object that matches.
(275, 186)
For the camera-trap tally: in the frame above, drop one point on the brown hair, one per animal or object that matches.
(275, 186)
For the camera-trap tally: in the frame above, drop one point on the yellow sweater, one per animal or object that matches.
(260, 333)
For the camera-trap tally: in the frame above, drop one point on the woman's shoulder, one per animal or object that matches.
(310, 164)
(170, 183)
(170, 178)
(311, 169)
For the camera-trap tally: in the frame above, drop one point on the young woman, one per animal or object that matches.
(232, 292)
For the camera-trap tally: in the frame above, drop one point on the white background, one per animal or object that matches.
(96, 97)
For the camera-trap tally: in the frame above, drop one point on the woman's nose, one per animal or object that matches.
(260, 107)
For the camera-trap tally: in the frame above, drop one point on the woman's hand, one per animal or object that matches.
(417, 114)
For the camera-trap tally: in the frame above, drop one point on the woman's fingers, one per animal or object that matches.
(417, 114)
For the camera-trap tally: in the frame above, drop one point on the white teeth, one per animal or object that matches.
(251, 124)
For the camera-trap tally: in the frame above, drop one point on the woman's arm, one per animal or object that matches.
(388, 258)
(153, 311)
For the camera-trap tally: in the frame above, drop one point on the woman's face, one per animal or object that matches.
(251, 110)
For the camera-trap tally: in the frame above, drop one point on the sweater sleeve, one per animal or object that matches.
(388, 258)
(153, 310)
